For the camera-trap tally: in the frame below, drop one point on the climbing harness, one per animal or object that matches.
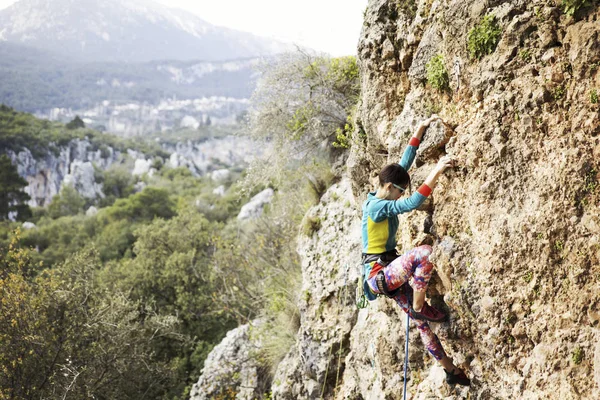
(382, 286)
(363, 292)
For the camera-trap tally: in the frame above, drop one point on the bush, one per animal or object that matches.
(305, 98)
(484, 37)
(407, 7)
(63, 336)
(117, 184)
(76, 123)
(559, 92)
(437, 75)
(67, 202)
(279, 332)
(144, 206)
(570, 7)
(311, 225)
(594, 96)
(577, 355)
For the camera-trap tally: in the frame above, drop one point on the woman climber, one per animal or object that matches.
(404, 278)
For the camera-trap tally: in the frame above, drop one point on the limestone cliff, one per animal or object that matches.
(73, 163)
(515, 226)
(78, 162)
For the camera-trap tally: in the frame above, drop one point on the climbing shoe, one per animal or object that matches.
(428, 313)
(460, 378)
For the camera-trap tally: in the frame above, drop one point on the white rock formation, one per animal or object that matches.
(45, 175)
(142, 166)
(231, 364)
(220, 175)
(82, 178)
(199, 157)
(28, 225)
(189, 122)
(219, 191)
(254, 208)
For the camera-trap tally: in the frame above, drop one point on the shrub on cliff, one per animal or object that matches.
(437, 74)
(407, 7)
(484, 37)
(304, 98)
(570, 7)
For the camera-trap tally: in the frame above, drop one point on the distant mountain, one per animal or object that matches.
(33, 80)
(125, 30)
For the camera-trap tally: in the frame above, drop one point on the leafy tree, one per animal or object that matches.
(118, 183)
(67, 202)
(64, 336)
(76, 123)
(302, 105)
(172, 270)
(304, 98)
(144, 206)
(12, 196)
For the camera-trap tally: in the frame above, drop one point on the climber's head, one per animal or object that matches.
(394, 180)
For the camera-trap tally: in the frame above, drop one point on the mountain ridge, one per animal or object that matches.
(129, 31)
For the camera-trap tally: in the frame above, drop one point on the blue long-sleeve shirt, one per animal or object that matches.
(380, 216)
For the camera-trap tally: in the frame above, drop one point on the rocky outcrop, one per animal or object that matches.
(254, 208)
(202, 157)
(73, 164)
(329, 270)
(230, 370)
(514, 226)
(79, 163)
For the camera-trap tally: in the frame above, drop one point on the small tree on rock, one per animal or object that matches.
(12, 196)
(76, 123)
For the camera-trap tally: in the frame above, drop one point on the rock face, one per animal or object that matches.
(73, 164)
(141, 166)
(254, 208)
(77, 162)
(201, 157)
(514, 225)
(329, 272)
(82, 178)
(222, 373)
(517, 250)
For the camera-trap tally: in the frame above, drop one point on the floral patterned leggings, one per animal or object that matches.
(412, 268)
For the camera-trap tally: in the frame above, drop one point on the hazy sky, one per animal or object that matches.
(332, 26)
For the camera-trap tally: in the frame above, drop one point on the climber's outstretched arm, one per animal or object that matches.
(411, 150)
(441, 166)
(424, 125)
